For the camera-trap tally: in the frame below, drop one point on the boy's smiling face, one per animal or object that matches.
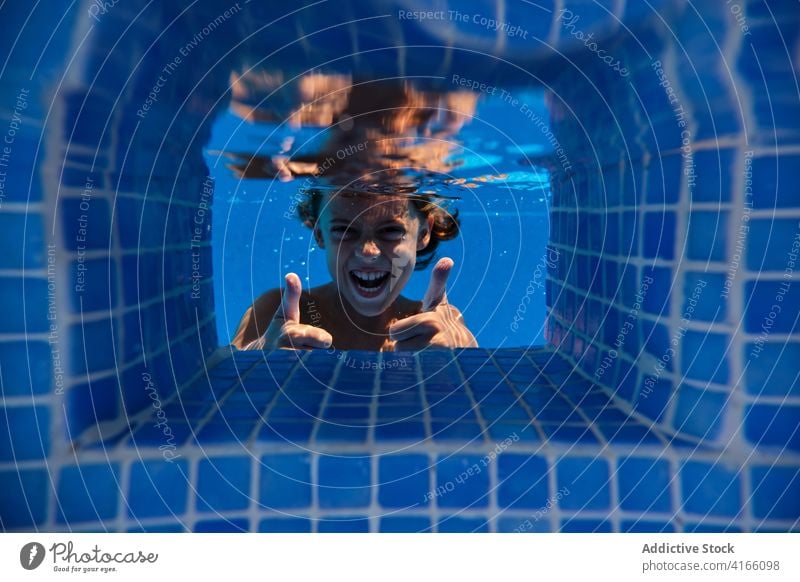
(371, 244)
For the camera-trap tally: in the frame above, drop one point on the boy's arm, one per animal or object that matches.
(257, 318)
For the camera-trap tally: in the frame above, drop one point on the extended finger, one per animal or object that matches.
(290, 300)
(437, 287)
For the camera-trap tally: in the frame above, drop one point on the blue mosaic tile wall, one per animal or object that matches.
(679, 228)
(117, 416)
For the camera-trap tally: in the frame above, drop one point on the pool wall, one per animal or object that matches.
(105, 331)
(678, 231)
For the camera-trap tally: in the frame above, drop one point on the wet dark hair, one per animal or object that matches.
(446, 225)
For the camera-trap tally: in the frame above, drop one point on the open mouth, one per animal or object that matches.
(369, 283)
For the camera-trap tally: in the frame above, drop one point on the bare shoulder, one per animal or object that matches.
(267, 303)
(257, 318)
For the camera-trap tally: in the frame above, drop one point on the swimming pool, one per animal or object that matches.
(500, 256)
(664, 399)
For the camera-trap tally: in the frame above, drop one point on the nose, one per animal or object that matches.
(368, 250)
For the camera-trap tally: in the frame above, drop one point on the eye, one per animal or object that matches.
(393, 232)
(343, 233)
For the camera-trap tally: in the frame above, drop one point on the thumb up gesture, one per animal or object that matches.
(285, 329)
(439, 323)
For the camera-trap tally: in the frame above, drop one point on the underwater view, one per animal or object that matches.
(392, 266)
(489, 167)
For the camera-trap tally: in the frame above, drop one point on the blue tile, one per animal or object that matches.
(632, 181)
(343, 525)
(660, 240)
(403, 480)
(646, 526)
(657, 298)
(705, 527)
(524, 524)
(701, 297)
(768, 243)
(399, 412)
(286, 432)
(611, 242)
(26, 368)
(522, 481)
(23, 503)
(344, 481)
(285, 481)
(99, 339)
(709, 489)
(704, 356)
(628, 433)
(89, 404)
(221, 431)
(706, 239)
(155, 433)
(158, 488)
(223, 484)
(714, 179)
(567, 434)
(499, 431)
(404, 430)
(773, 372)
(344, 414)
(585, 526)
(553, 411)
(298, 411)
(653, 397)
(656, 340)
(85, 226)
(22, 238)
(88, 493)
(699, 412)
(222, 526)
(771, 307)
(773, 425)
(460, 431)
(776, 492)
(462, 481)
(627, 381)
(405, 524)
(338, 433)
(644, 484)
(628, 232)
(23, 299)
(587, 482)
(94, 285)
(285, 525)
(24, 183)
(459, 524)
(24, 433)
(162, 528)
(141, 277)
(776, 176)
(136, 231)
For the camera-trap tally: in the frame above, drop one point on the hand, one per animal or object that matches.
(285, 329)
(439, 324)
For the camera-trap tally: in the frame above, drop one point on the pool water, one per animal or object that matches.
(500, 259)
(665, 399)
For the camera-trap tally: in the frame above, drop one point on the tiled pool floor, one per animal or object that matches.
(477, 440)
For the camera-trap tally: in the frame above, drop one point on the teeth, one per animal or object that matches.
(369, 276)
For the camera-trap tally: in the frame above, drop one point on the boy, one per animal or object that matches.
(372, 243)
